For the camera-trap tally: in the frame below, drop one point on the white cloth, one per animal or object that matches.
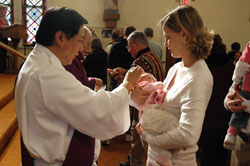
(97, 151)
(241, 69)
(50, 103)
(187, 100)
(155, 120)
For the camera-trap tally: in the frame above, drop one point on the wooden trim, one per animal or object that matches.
(12, 50)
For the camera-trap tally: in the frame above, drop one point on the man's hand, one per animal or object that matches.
(233, 102)
(120, 70)
(132, 76)
(111, 72)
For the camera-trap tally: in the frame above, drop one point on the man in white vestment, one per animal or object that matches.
(51, 104)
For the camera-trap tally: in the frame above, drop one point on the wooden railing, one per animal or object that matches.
(12, 50)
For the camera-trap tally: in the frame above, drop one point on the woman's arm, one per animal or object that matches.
(193, 105)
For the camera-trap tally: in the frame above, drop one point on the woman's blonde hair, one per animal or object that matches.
(186, 18)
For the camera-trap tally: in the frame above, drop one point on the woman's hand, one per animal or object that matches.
(139, 129)
(233, 102)
(139, 96)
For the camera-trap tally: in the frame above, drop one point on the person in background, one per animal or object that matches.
(119, 55)
(189, 85)
(145, 58)
(240, 155)
(155, 47)
(121, 34)
(241, 78)
(211, 151)
(78, 70)
(96, 63)
(3, 21)
(235, 53)
(115, 36)
(51, 104)
(3, 24)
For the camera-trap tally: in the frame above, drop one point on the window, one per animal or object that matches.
(33, 11)
(10, 11)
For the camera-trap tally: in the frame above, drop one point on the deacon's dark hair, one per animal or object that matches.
(59, 19)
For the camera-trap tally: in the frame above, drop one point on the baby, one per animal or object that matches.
(154, 119)
(240, 120)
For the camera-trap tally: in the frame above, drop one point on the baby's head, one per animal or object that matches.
(145, 79)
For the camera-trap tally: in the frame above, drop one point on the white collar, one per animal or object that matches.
(40, 49)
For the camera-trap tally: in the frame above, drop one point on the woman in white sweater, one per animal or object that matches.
(189, 84)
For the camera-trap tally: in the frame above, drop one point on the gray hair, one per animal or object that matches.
(138, 36)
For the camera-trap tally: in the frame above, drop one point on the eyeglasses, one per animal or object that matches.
(127, 47)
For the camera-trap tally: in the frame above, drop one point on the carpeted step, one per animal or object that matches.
(11, 155)
(7, 82)
(8, 124)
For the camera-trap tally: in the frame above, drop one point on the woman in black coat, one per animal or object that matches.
(96, 62)
(217, 117)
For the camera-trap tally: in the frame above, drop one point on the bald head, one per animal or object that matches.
(87, 37)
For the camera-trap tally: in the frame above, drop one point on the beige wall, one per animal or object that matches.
(229, 18)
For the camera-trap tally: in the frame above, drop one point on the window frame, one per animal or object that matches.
(24, 16)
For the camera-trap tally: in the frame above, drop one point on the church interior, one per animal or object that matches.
(228, 18)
